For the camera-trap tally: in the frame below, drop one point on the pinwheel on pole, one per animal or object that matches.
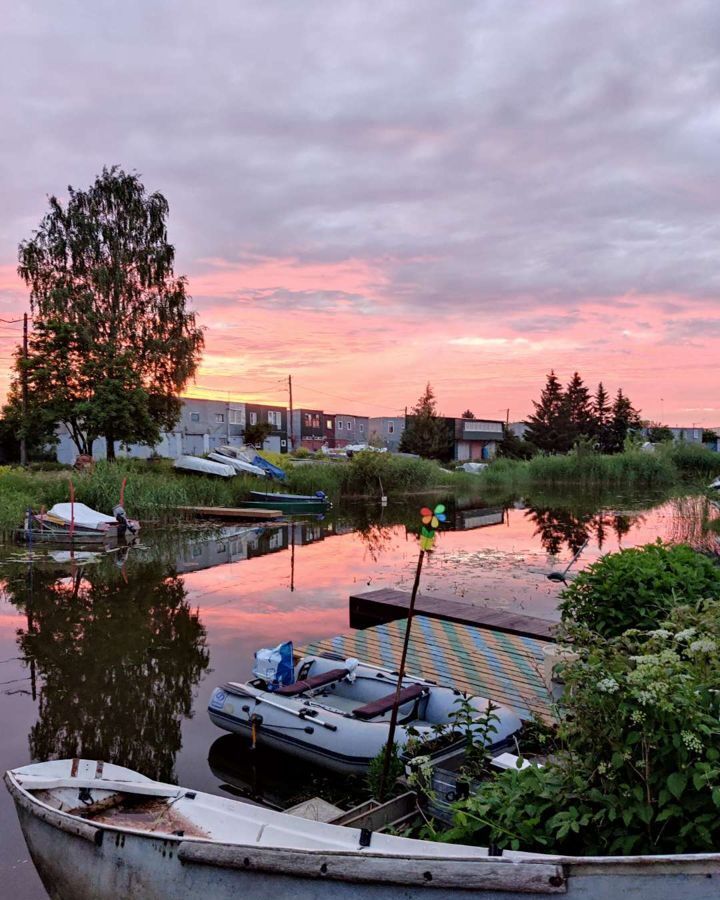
(431, 519)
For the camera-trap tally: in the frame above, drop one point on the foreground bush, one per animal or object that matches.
(636, 588)
(638, 764)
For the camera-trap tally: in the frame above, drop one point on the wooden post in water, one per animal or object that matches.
(431, 520)
(72, 509)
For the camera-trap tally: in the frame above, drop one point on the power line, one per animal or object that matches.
(394, 409)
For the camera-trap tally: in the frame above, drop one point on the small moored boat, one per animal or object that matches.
(100, 832)
(289, 503)
(337, 713)
(715, 485)
(76, 523)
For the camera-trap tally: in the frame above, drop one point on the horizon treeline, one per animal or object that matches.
(567, 416)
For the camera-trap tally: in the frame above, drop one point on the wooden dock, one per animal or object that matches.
(387, 605)
(230, 512)
(506, 668)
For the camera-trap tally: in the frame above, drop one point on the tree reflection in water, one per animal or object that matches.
(117, 657)
(559, 527)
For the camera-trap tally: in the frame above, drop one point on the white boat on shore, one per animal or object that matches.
(203, 466)
(337, 713)
(102, 832)
(715, 485)
(239, 465)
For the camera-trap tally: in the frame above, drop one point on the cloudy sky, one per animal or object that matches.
(370, 195)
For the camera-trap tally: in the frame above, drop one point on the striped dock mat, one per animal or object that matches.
(506, 668)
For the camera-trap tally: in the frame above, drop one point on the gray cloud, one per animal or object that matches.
(484, 155)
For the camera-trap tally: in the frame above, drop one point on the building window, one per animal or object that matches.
(235, 417)
(274, 417)
(349, 425)
(219, 417)
(194, 417)
(361, 428)
(391, 428)
(329, 425)
(253, 418)
(316, 421)
(340, 425)
(307, 419)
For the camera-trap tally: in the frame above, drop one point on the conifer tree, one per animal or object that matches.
(580, 422)
(425, 431)
(624, 420)
(547, 427)
(601, 418)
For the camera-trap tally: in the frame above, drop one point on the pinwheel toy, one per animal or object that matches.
(431, 519)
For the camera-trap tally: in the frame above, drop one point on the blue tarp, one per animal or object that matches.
(272, 470)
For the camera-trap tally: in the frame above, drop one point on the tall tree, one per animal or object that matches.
(601, 417)
(548, 426)
(624, 420)
(468, 414)
(426, 433)
(113, 342)
(580, 422)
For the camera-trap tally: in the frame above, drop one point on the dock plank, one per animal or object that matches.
(230, 512)
(506, 668)
(387, 604)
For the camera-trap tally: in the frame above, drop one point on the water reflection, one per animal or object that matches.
(117, 655)
(276, 779)
(573, 528)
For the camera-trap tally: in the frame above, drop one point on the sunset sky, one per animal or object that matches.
(369, 196)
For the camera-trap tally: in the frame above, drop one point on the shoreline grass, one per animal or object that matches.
(154, 491)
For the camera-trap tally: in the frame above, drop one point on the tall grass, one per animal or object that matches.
(154, 492)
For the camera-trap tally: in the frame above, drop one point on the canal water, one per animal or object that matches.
(114, 656)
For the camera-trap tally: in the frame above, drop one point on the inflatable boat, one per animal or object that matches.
(337, 713)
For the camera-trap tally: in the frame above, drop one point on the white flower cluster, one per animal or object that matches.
(691, 741)
(685, 635)
(607, 685)
(661, 633)
(702, 645)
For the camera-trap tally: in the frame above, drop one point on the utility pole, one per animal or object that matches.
(23, 442)
(292, 430)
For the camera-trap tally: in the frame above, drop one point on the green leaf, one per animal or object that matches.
(676, 783)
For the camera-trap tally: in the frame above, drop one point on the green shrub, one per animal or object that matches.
(396, 767)
(636, 588)
(640, 769)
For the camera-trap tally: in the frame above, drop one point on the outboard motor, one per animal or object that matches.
(275, 667)
(122, 520)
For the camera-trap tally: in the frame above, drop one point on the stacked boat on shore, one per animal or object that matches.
(228, 461)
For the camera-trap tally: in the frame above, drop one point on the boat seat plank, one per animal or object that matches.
(383, 704)
(315, 681)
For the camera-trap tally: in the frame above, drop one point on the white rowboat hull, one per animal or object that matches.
(276, 855)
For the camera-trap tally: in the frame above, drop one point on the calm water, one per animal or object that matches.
(114, 657)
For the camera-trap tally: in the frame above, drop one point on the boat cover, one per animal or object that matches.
(83, 515)
(203, 466)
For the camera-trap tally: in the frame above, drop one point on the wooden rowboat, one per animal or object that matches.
(102, 832)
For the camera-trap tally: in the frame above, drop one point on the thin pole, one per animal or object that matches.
(401, 676)
(72, 510)
(23, 442)
(292, 431)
